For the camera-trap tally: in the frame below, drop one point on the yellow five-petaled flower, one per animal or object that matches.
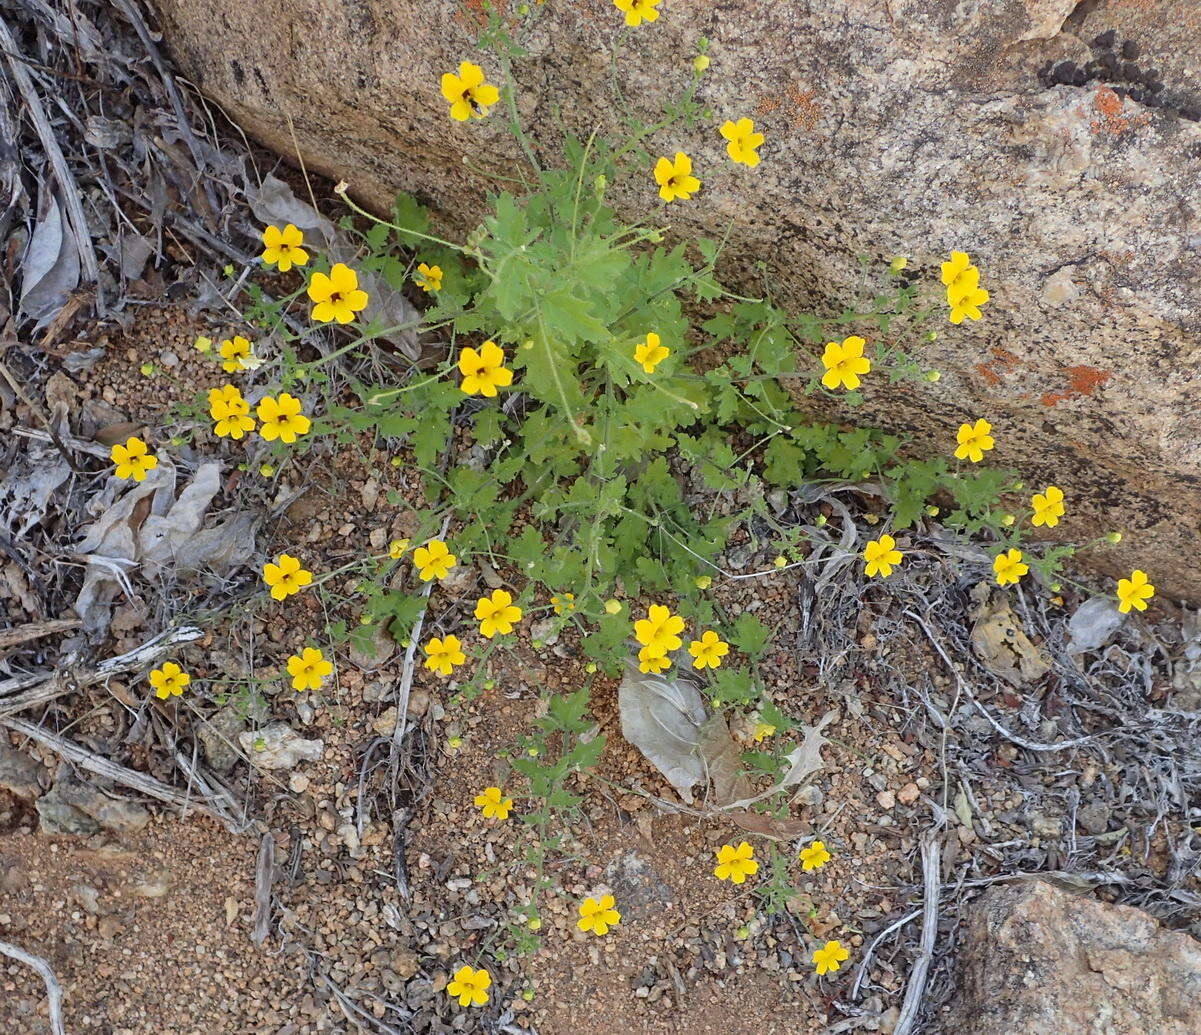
(493, 804)
(286, 576)
(497, 614)
(648, 661)
(469, 93)
(443, 655)
(880, 557)
(281, 418)
(735, 864)
(708, 650)
(308, 669)
(1048, 507)
(638, 11)
(659, 632)
(484, 371)
(1009, 567)
(236, 354)
(814, 856)
(1134, 592)
(230, 411)
(845, 363)
(470, 986)
(133, 459)
(169, 681)
(282, 248)
(428, 278)
(434, 560)
(675, 178)
(336, 296)
(742, 141)
(829, 957)
(650, 353)
(598, 915)
(964, 294)
(974, 441)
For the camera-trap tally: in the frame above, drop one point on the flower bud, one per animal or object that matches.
(700, 63)
(703, 582)
(1114, 538)
(612, 606)
(933, 375)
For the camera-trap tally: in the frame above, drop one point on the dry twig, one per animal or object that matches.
(54, 992)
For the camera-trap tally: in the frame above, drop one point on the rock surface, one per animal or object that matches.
(278, 746)
(1037, 959)
(1063, 159)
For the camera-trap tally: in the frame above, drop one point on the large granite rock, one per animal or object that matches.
(1066, 167)
(1036, 959)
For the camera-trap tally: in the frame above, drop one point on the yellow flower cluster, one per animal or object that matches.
(965, 296)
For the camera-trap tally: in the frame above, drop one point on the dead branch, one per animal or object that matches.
(54, 991)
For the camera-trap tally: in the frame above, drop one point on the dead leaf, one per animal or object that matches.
(1094, 622)
(663, 718)
(50, 265)
(1001, 644)
(275, 203)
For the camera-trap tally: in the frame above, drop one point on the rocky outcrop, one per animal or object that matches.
(1036, 959)
(1055, 141)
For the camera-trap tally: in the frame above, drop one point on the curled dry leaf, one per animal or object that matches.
(1094, 622)
(1000, 642)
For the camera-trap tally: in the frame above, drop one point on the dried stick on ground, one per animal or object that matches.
(54, 992)
(130, 778)
(264, 878)
(69, 189)
(931, 871)
(46, 686)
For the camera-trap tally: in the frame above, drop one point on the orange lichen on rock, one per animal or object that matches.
(1082, 381)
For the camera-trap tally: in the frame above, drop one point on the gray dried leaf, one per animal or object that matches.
(663, 719)
(274, 202)
(135, 251)
(106, 134)
(1094, 622)
(27, 486)
(1000, 642)
(50, 265)
(806, 758)
(161, 537)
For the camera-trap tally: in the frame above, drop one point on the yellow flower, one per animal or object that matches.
(881, 556)
(735, 864)
(700, 63)
(845, 363)
(203, 344)
(469, 94)
(434, 560)
(675, 179)
(814, 856)
(133, 459)
(282, 248)
(650, 353)
(469, 986)
(396, 548)
(974, 441)
(742, 141)
(659, 631)
(956, 269)
(493, 804)
(1048, 507)
(703, 581)
(763, 730)
(638, 11)
(498, 614)
(830, 957)
(442, 656)
(1134, 592)
(1009, 567)
(484, 371)
(898, 263)
(708, 650)
(230, 411)
(338, 296)
(308, 669)
(428, 278)
(282, 418)
(650, 662)
(966, 297)
(236, 354)
(564, 603)
(598, 916)
(613, 606)
(285, 576)
(169, 681)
